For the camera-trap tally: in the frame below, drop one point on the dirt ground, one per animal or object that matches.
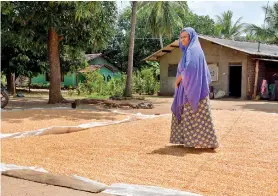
(138, 152)
(162, 105)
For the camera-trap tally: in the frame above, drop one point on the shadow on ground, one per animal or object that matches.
(180, 151)
(271, 107)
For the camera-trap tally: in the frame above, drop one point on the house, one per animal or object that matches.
(96, 62)
(101, 63)
(67, 80)
(236, 67)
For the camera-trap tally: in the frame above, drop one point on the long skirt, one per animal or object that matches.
(194, 129)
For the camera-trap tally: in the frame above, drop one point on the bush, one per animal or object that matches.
(116, 86)
(145, 82)
(39, 86)
(94, 84)
(71, 91)
(138, 83)
(3, 80)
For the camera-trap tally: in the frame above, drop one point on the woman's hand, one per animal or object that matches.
(178, 80)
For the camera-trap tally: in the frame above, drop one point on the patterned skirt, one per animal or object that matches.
(194, 129)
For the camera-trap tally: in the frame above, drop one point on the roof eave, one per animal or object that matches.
(156, 58)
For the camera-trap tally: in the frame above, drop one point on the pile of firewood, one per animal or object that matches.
(113, 104)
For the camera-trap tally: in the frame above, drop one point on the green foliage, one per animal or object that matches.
(202, 24)
(116, 86)
(21, 53)
(145, 42)
(138, 83)
(95, 84)
(40, 86)
(161, 17)
(72, 59)
(269, 32)
(3, 79)
(145, 81)
(71, 92)
(81, 26)
(117, 50)
(225, 27)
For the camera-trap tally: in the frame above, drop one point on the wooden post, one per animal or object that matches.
(256, 79)
(249, 94)
(11, 84)
(76, 79)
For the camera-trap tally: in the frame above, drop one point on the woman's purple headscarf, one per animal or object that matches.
(195, 75)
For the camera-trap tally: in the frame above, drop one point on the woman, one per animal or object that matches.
(192, 123)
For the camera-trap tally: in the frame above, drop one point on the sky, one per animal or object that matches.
(251, 11)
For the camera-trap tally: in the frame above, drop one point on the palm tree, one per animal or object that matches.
(224, 25)
(163, 16)
(259, 33)
(269, 31)
(128, 88)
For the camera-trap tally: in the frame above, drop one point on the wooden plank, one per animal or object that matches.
(256, 79)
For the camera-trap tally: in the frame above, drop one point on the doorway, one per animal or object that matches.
(235, 78)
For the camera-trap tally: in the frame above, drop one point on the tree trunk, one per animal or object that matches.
(128, 88)
(55, 95)
(29, 83)
(11, 83)
(161, 40)
(256, 79)
(8, 81)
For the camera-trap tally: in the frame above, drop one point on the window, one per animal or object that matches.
(213, 69)
(172, 70)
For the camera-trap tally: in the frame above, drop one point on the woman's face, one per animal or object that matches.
(185, 39)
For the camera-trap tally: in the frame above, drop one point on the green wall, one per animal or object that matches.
(69, 80)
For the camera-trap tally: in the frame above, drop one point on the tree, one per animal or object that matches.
(162, 16)
(21, 53)
(202, 24)
(128, 89)
(269, 31)
(79, 25)
(225, 26)
(144, 43)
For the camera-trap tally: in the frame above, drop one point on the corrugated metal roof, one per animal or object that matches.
(246, 47)
(92, 56)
